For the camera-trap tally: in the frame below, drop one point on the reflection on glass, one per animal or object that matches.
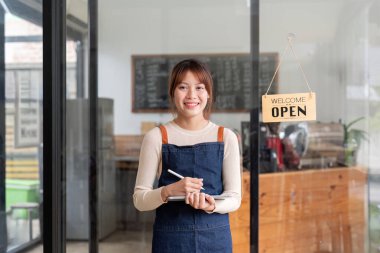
(133, 69)
(23, 94)
(315, 175)
(77, 129)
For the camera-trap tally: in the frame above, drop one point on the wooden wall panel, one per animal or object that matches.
(306, 211)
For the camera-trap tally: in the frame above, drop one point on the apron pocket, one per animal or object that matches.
(173, 242)
(217, 239)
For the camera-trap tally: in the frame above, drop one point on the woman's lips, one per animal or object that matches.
(191, 105)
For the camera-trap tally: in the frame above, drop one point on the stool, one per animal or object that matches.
(30, 207)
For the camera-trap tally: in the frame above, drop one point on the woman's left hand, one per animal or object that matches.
(200, 201)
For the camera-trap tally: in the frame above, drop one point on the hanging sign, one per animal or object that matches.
(289, 107)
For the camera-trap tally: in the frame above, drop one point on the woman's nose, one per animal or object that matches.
(190, 92)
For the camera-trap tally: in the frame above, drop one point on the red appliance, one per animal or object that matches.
(274, 143)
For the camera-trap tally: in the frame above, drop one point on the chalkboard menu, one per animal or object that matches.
(233, 83)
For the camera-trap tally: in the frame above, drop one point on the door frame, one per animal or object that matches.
(3, 216)
(93, 97)
(54, 125)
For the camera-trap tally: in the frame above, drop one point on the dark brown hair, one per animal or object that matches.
(203, 74)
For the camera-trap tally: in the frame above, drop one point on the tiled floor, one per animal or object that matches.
(133, 239)
(18, 231)
(137, 239)
(118, 242)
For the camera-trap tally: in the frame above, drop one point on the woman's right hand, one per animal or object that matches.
(182, 187)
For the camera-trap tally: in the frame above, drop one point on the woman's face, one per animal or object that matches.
(190, 97)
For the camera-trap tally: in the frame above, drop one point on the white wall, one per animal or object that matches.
(223, 26)
(171, 27)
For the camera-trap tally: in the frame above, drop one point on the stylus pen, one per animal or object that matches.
(178, 175)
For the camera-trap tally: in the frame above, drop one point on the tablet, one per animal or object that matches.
(182, 198)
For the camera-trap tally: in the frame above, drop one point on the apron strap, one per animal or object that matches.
(164, 135)
(220, 134)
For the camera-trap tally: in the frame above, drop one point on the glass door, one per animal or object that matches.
(21, 125)
(133, 68)
(77, 128)
(3, 222)
(21, 128)
(320, 192)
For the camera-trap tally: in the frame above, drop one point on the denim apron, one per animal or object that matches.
(178, 227)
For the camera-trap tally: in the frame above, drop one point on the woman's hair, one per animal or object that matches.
(203, 74)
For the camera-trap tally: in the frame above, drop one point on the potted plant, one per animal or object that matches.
(352, 140)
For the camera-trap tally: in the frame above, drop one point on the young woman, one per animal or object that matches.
(206, 155)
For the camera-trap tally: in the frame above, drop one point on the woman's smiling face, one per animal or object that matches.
(190, 97)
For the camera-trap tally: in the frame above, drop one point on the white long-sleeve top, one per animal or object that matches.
(146, 198)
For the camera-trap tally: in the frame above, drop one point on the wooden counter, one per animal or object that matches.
(306, 211)
(240, 221)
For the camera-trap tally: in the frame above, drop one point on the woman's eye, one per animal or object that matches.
(200, 88)
(181, 87)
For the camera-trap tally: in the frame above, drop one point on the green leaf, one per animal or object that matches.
(353, 122)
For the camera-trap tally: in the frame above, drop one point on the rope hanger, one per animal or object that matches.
(291, 36)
